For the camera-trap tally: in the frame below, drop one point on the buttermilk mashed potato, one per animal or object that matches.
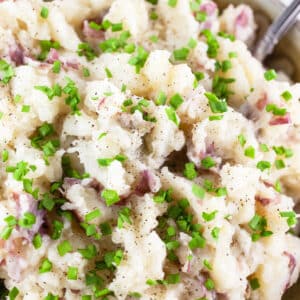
(145, 154)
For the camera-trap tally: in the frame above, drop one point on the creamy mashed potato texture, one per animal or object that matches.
(144, 154)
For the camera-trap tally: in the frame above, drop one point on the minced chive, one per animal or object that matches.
(207, 162)
(220, 192)
(37, 241)
(215, 232)
(26, 108)
(207, 264)
(106, 228)
(264, 147)
(140, 59)
(209, 284)
(86, 297)
(108, 73)
(181, 54)
(4, 155)
(27, 221)
(215, 118)
(254, 283)
(286, 95)
(6, 232)
(276, 111)
(161, 99)
(92, 215)
(216, 105)
(263, 165)
(232, 54)
(64, 247)
(175, 101)
(86, 72)
(207, 217)
(270, 75)
(124, 217)
(116, 27)
(192, 43)
(171, 231)
(198, 191)
(135, 295)
(277, 186)
(44, 12)
(212, 43)
(11, 220)
(46, 266)
(172, 245)
(72, 273)
(250, 152)
(110, 196)
(201, 16)
(197, 241)
(172, 116)
(172, 278)
(56, 66)
(85, 49)
(172, 3)
(13, 293)
(153, 15)
(95, 26)
(7, 71)
(17, 98)
(242, 140)
(190, 171)
(291, 217)
(154, 38)
(89, 252)
(279, 164)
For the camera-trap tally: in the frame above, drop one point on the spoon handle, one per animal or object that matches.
(276, 30)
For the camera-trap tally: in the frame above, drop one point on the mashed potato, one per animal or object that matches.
(144, 154)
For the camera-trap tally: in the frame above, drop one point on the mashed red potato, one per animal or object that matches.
(145, 154)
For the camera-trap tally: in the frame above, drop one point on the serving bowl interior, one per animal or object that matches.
(286, 57)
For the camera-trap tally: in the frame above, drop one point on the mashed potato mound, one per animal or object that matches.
(144, 154)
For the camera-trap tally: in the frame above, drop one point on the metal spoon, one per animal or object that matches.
(276, 30)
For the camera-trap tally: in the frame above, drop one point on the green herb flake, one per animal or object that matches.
(209, 284)
(172, 116)
(287, 96)
(64, 247)
(110, 196)
(46, 266)
(161, 99)
(216, 105)
(72, 273)
(208, 162)
(13, 293)
(250, 152)
(263, 165)
(140, 59)
(198, 191)
(56, 67)
(207, 217)
(44, 12)
(176, 100)
(181, 54)
(124, 217)
(172, 3)
(242, 140)
(7, 72)
(291, 217)
(215, 233)
(270, 75)
(254, 283)
(190, 171)
(108, 73)
(37, 241)
(92, 215)
(276, 111)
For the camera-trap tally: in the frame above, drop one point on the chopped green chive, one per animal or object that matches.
(72, 273)
(264, 147)
(56, 67)
(208, 162)
(175, 101)
(108, 73)
(139, 60)
(161, 99)
(254, 283)
(279, 164)
(5, 155)
(207, 217)
(286, 95)
(209, 284)
(116, 27)
(242, 140)
(110, 196)
(92, 215)
(89, 252)
(44, 12)
(124, 217)
(7, 71)
(181, 54)
(64, 247)
(190, 171)
(263, 165)
(277, 111)
(198, 191)
(250, 152)
(37, 241)
(86, 72)
(13, 293)
(27, 221)
(290, 216)
(46, 266)
(216, 105)
(172, 116)
(192, 43)
(215, 232)
(172, 3)
(25, 108)
(270, 75)
(207, 264)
